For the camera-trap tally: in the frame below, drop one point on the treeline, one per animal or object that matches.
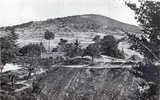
(108, 45)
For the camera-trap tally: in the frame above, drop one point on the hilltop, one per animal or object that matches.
(82, 27)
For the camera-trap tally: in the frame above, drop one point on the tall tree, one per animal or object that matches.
(8, 48)
(148, 15)
(49, 36)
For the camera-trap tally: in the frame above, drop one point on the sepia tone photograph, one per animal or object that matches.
(80, 50)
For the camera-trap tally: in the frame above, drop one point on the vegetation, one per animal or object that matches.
(92, 50)
(32, 50)
(148, 15)
(96, 39)
(61, 45)
(48, 36)
(71, 49)
(109, 46)
(8, 48)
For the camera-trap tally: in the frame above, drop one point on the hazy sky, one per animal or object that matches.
(20, 11)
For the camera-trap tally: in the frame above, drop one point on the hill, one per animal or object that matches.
(108, 79)
(79, 26)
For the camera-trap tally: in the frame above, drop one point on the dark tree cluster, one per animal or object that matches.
(109, 46)
(71, 49)
(8, 48)
(106, 46)
(92, 50)
(148, 15)
(32, 50)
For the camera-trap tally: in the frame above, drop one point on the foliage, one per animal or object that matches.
(49, 35)
(62, 42)
(148, 15)
(32, 50)
(8, 48)
(30, 57)
(62, 45)
(109, 46)
(142, 45)
(151, 75)
(92, 50)
(96, 38)
(71, 49)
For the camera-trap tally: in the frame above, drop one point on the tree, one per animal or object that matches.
(30, 63)
(62, 42)
(48, 36)
(109, 46)
(108, 42)
(8, 48)
(30, 57)
(73, 49)
(42, 48)
(148, 15)
(96, 38)
(92, 50)
(61, 45)
(77, 48)
(70, 49)
(32, 50)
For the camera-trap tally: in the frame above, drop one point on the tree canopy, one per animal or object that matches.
(8, 48)
(49, 35)
(148, 15)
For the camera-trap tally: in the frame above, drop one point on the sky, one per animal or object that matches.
(19, 11)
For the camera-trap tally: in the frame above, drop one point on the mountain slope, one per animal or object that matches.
(82, 27)
(89, 21)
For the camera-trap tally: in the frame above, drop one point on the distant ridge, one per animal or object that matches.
(85, 22)
(82, 27)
